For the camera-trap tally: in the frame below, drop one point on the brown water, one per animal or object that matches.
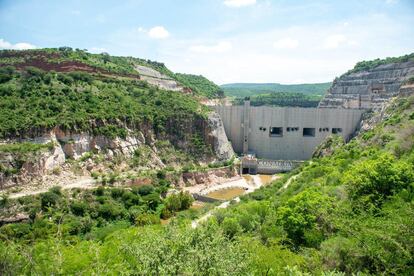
(266, 179)
(226, 194)
(248, 178)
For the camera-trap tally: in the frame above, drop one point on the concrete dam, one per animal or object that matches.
(289, 134)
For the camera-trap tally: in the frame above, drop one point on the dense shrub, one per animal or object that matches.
(6, 73)
(145, 190)
(146, 219)
(110, 211)
(49, 199)
(178, 202)
(79, 208)
(230, 227)
(373, 181)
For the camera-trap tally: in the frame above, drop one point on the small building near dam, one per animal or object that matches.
(284, 133)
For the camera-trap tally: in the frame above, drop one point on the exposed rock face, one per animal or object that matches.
(221, 144)
(74, 145)
(34, 165)
(368, 89)
(207, 177)
(156, 78)
(67, 145)
(371, 119)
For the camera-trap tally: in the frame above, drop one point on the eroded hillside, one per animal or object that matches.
(67, 114)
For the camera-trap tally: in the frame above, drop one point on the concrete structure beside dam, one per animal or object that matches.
(284, 133)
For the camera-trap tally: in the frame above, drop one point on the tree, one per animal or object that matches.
(302, 213)
(49, 199)
(371, 181)
(230, 227)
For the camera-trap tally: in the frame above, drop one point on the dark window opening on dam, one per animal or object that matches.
(276, 131)
(309, 132)
(289, 129)
(324, 129)
(336, 130)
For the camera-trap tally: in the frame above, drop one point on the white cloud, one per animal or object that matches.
(334, 41)
(157, 32)
(218, 48)
(286, 43)
(250, 56)
(239, 3)
(18, 46)
(338, 40)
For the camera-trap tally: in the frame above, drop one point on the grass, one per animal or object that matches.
(25, 147)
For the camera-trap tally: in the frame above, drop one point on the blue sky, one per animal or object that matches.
(287, 41)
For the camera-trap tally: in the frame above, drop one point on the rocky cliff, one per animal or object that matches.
(63, 146)
(66, 114)
(368, 88)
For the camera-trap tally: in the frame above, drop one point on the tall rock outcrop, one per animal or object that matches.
(368, 88)
(221, 145)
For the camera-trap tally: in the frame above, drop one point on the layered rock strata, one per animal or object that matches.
(73, 145)
(368, 89)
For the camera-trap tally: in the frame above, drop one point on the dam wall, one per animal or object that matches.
(285, 133)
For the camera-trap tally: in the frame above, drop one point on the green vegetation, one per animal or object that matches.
(370, 64)
(25, 147)
(200, 85)
(410, 80)
(242, 90)
(54, 58)
(34, 100)
(89, 214)
(350, 211)
(282, 99)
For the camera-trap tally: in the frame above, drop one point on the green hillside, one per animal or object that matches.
(42, 89)
(370, 64)
(350, 211)
(200, 85)
(250, 89)
(66, 59)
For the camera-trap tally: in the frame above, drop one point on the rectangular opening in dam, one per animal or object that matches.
(289, 129)
(309, 132)
(276, 131)
(336, 130)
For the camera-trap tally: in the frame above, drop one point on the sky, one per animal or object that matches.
(283, 41)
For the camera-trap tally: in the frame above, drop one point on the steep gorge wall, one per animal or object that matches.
(73, 145)
(368, 89)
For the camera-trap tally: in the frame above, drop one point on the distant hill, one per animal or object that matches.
(250, 89)
(282, 99)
